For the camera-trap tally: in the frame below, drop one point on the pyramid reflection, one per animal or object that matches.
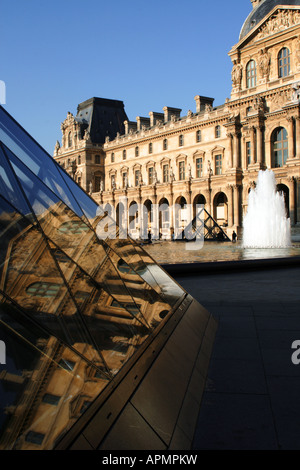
(75, 310)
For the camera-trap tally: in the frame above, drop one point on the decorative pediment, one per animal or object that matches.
(165, 161)
(198, 153)
(278, 21)
(124, 169)
(150, 163)
(181, 157)
(136, 166)
(217, 148)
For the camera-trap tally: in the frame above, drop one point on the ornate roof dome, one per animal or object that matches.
(260, 11)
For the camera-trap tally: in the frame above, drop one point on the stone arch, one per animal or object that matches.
(284, 190)
(220, 208)
(134, 219)
(180, 215)
(164, 218)
(121, 215)
(198, 199)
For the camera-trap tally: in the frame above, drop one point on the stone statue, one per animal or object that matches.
(172, 176)
(57, 147)
(264, 61)
(296, 91)
(236, 73)
(101, 186)
(90, 187)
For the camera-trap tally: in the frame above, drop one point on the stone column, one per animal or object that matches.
(259, 149)
(297, 134)
(253, 146)
(292, 194)
(236, 204)
(291, 137)
(236, 163)
(230, 205)
(229, 135)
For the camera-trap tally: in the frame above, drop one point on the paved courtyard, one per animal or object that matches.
(252, 396)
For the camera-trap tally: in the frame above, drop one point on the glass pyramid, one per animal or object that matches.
(74, 309)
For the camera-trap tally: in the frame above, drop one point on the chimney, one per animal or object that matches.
(201, 101)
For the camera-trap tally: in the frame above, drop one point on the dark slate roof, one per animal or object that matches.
(102, 117)
(260, 11)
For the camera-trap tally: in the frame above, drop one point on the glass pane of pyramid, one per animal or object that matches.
(44, 387)
(77, 305)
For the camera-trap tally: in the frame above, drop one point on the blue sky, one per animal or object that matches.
(57, 54)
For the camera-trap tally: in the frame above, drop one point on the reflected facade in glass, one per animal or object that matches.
(74, 309)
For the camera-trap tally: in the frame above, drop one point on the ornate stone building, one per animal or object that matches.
(212, 155)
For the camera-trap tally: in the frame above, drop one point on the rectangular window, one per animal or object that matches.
(124, 180)
(112, 157)
(199, 167)
(151, 175)
(65, 364)
(97, 183)
(137, 177)
(248, 152)
(182, 170)
(97, 159)
(113, 182)
(166, 173)
(51, 399)
(218, 166)
(34, 437)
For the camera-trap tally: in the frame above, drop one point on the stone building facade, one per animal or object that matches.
(212, 155)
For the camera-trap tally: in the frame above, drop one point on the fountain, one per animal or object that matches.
(266, 224)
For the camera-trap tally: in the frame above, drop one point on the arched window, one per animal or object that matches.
(181, 140)
(165, 144)
(79, 160)
(280, 147)
(284, 62)
(251, 74)
(150, 147)
(124, 154)
(43, 289)
(136, 151)
(70, 143)
(217, 132)
(198, 136)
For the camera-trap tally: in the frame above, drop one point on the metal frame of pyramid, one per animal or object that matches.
(77, 314)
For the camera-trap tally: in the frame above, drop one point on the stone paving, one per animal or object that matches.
(252, 395)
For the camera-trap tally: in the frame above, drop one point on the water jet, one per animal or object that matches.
(266, 224)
